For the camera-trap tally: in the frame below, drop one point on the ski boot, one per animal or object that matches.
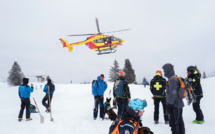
(156, 122)
(47, 110)
(28, 119)
(19, 119)
(198, 122)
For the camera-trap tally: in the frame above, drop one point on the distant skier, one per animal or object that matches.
(158, 87)
(49, 89)
(121, 93)
(174, 103)
(98, 89)
(193, 76)
(131, 123)
(24, 94)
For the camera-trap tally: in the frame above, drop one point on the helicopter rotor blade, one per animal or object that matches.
(97, 24)
(117, 31)
(81, 34)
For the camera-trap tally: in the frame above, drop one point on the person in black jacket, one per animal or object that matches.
(193, 77)
(158, 87)
(121, 93)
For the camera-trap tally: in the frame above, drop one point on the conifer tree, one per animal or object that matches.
(15, 75)
(114, 71)
(129, 72)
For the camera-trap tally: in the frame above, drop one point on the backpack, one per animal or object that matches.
(32, 109)
(96, 83)
(51, 88)
(184, 87)
(119, 88)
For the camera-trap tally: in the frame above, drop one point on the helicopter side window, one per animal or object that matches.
(99, 41)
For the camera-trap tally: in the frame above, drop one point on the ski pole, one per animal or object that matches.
(41, 117)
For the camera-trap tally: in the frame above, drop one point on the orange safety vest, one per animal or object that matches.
(136, 127)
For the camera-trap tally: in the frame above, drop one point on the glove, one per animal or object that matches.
(153, 97)
(144, 130)
(129, 99)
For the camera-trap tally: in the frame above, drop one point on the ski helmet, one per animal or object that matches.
(191, 69)
(158, 72)
(137, 104)
(122, 73)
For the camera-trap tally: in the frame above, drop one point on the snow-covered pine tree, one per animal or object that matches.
(129, 72)
(114, 71)
(204, 75)
(15, 75)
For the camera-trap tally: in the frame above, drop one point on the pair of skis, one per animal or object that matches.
(41, 117)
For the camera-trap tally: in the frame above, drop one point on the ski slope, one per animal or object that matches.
(72, 107)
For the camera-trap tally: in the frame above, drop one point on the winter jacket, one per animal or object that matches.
(99, 87)
(194, 80)
(25, 91)
(130, 123)
(172, 89)
(121, 87)
(158, 86)
(46, 88)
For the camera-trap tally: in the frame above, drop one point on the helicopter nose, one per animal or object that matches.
(122, 41)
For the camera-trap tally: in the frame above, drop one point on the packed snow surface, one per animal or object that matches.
(72, 107)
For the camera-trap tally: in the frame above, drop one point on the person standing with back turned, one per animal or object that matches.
(174, 103)
(24, 94)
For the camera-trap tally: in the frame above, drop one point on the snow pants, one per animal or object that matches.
(121, 104)
(25, 103)
(46, 98)
(176, 121)
(98, 102)
(197, 109)
(156, 109)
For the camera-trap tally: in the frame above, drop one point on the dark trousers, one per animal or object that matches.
(46, 98)
(25, 103)
(197, 109)
(98, 102)
(156, 112)
(176, 121)
(121, 104)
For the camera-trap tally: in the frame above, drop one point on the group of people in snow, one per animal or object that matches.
(25, 92)
(130, 111)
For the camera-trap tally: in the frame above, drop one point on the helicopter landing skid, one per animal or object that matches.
(107, 51)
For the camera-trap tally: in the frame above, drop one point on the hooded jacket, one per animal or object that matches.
(99, 87)
(172, 89)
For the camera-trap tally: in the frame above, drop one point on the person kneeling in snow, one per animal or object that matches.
(131, 123)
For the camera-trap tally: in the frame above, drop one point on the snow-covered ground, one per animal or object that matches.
(73, 111)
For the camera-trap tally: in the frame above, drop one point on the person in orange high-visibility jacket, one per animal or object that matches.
(131, 123)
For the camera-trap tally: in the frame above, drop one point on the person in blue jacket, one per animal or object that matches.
(49, 90)
(24, 94)
(98, 89)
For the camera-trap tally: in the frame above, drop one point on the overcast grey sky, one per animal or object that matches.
(163, 31)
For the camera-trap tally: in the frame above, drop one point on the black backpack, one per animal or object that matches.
(96, 82)
(51, 88)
